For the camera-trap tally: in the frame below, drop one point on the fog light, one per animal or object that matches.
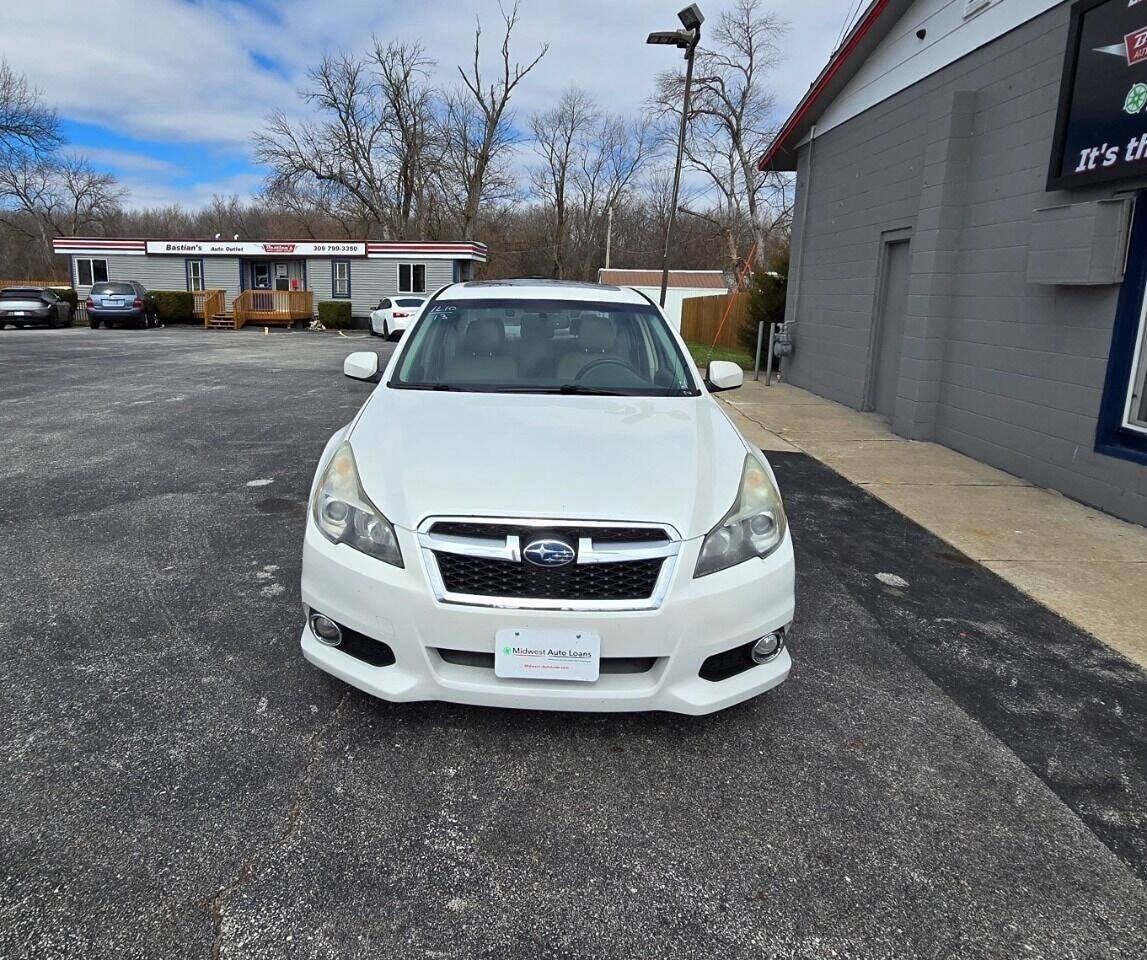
(326, 630)
(767, 647)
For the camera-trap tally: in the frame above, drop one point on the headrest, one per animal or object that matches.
(597, 334)
(485, 335)
(535, 327)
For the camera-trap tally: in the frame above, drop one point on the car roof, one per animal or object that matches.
(529, 288)
(24, 289)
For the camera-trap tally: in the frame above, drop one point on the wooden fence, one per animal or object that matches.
(701, 316)
(34, 283)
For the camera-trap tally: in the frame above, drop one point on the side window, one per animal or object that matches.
(384, 303)
(340, 278)
(90, 270)
(412, 278)
(194, 275)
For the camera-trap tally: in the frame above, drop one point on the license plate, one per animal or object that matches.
(113, 303)
(18, 313)
(547, 654)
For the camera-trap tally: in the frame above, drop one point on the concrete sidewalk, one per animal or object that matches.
(1083, 564)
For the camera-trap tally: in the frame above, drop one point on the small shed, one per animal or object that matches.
(682, 285)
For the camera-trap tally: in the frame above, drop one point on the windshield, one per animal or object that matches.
(112, 289)
(20, 293)
(544, 346)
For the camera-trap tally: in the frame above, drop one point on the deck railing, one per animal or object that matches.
(207, 303)
(273, 306)
(213, 304)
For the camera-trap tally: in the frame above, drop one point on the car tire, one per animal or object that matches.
(385, 330)
(93, 323)
(54, 320)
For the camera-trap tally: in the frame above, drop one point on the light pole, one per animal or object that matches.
(691, 19)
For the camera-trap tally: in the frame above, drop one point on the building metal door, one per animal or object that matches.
(890, 328)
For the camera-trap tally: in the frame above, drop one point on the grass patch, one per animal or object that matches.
(701, 356)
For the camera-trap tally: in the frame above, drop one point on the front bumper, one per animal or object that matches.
(698, 618)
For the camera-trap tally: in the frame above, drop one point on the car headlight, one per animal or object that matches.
(753, 527)
(344, 514)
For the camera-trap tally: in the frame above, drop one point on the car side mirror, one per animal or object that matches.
(723, 375)
(362, 365)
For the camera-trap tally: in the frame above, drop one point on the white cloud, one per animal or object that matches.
(120, 160)
(176, 71)
(144, 192)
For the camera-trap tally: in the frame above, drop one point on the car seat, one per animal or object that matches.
(483, 355)
(596, 339)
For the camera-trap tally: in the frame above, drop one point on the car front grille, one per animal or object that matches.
(479, 576)
(468, 528)
(483, 561)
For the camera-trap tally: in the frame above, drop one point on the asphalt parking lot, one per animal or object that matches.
(950, 772)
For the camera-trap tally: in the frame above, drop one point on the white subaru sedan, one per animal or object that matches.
(542, 506)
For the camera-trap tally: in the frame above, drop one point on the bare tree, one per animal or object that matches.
(373, 143)
(56, 196)
(477, 129)
(560, 135)
(610, 166)
(590, 161)
(730, 122)
(27, 126)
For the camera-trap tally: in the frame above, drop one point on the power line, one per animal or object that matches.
(849, 18)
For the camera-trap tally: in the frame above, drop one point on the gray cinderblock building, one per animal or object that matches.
(969, 250)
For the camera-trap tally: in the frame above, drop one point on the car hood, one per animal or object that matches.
(674, 460)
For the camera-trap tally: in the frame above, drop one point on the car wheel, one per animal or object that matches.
(385, 330)
(54, 320)
(93, 323)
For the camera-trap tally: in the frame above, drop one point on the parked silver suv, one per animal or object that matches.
(122, 301)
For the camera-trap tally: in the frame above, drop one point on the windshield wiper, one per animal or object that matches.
(577, 388)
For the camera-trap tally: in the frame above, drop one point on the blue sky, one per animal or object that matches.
(166, 93)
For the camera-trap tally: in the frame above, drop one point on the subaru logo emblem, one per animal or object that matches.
(549, 553)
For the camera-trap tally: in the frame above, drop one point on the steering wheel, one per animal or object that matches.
(601, 362)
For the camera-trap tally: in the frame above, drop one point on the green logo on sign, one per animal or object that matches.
(1136, 98)
(506, 650)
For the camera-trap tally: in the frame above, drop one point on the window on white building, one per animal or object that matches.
(90, 270)
(194, 274)
(412, 278)
(340, 278)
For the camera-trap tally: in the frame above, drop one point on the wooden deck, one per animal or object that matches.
(260, 307)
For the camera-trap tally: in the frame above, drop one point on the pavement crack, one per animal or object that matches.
(249, 865)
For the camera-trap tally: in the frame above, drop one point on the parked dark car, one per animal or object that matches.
(28, 306)
(120, 301)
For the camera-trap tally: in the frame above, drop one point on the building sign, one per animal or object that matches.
(1101, 127)
(262, 248)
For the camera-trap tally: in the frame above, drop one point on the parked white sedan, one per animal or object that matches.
(542, 506)
(393, 315)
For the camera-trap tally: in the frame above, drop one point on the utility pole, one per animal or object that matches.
(608, 234)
